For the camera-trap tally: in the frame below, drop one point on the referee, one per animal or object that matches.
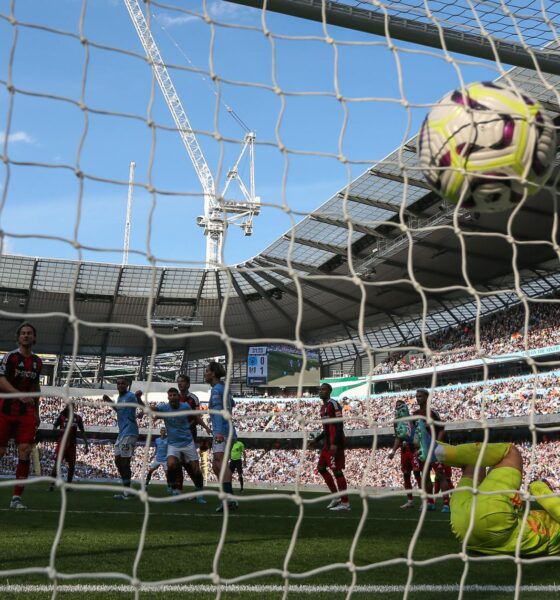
(237, 460)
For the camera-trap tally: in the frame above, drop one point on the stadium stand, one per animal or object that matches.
(503, 333)
(279, 467)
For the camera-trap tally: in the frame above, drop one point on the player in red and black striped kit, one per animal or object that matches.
(74, 422)
(332, 453)
(20, 372)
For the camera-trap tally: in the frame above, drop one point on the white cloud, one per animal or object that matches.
(223, 10)
(167, 20)
(17, 137)
(216, 9)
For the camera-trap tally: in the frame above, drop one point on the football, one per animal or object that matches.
(486, 147)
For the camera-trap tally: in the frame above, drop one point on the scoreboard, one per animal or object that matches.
(281, 365)
(257, 366)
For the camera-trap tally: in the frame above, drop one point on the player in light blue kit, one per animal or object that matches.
(213, 375)
(180, 445)
(160, 455)
(128, 432)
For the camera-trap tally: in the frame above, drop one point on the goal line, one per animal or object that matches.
(274, 589)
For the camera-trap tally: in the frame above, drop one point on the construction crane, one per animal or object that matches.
(128, 213)
(218, 212)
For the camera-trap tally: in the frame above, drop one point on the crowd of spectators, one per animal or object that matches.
(98, 463)
(375, 469)
(501, 398)
(94, 411)
(500, 333)
(364, 467)
(493, 399)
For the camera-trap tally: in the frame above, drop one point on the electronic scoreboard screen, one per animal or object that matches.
(278, 365)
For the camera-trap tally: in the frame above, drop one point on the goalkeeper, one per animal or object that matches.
(497, 521)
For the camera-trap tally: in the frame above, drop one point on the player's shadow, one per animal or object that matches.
(62, 554)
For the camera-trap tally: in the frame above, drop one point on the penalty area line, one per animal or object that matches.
(274, 589)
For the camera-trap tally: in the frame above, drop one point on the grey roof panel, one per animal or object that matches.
(55, 276)
(16, 272)
(181, 283)
(98, 279)
(140, 281)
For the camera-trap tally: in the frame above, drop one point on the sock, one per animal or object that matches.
(467, 454)
(148, 477)
(171, 477)
(329, 481)
(552, 504)
(437, 487)
(241, 482)
(22, 472)
(341, 483)
(227, 487)
(126, 475)
(418, 478)
(198, 480)
(179, 479)
(408, 485)
(70, 476)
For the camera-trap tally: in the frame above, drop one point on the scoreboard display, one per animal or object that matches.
(257, 366)
(280, 365)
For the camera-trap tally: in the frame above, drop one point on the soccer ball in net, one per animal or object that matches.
(486, 147)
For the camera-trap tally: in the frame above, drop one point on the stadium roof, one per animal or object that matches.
(259, 299)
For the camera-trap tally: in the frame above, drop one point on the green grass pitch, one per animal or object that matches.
(102, 535)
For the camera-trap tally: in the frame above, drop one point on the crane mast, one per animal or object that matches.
(128, 212)
(215, 220)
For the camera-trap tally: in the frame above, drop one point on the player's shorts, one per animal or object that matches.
(183, 453)
(125, 446)
(155, 464)
(69, 452)
(334, 462)
(496, 520)
(442, 471)
(236, 465)
(438, 468)
(219, 447)
(21, 428)
(409, 461)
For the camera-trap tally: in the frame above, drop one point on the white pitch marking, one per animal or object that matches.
(271, 589)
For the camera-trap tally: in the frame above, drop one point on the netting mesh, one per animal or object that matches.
(373, 278)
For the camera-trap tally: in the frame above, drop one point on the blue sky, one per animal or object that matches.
(42, 214)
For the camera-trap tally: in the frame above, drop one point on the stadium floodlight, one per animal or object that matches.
(175, 322)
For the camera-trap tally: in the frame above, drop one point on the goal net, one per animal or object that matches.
(184, 182)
